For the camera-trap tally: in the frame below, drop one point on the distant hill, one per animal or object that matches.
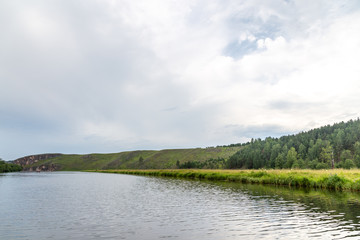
(171, 158)
(336, 146)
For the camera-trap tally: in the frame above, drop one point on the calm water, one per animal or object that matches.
(71, 205)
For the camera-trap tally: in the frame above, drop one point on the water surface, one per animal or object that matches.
(74, 205)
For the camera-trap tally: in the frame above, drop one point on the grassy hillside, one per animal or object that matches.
(135, 159)
(331, 146)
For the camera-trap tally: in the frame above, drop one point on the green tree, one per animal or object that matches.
(291, 157)
(296, 164)
(345, 154)
(338, 143)
(267, 152)
(313, 151)
(302, 151)
(301, 163)
(357, 148)
(357, 160)
(275, 151)
(279, 161)
(349, 164)
(326, 155)
(322, 165)
(313, 163)
(9, 167)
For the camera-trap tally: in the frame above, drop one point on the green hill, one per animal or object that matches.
(330, 146)
(171, 158)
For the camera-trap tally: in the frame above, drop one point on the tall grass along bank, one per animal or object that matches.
(337, 179)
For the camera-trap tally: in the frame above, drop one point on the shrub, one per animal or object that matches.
(322, 166)
(258, 174)
(313, 163)
(335, 182)
(339, 165)
(349, 164)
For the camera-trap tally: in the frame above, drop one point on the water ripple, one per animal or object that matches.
(109, 206)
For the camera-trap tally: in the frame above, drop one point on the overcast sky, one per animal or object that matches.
(84, 76)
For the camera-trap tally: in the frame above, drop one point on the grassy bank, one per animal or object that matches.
(337, 179)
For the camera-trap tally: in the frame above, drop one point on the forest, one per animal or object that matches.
(331, 146)
(9, 167)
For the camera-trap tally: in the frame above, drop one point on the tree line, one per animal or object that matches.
(9, 167)
(212, 163)
(331, 146)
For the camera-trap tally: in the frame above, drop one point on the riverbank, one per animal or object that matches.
(337, 179)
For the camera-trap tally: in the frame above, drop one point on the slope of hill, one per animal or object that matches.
(147, 159)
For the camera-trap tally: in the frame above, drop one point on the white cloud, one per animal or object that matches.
(109, 75)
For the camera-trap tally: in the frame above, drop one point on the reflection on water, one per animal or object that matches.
(68, 205)
(308, 213)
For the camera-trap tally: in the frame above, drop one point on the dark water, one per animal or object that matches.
(71, 205)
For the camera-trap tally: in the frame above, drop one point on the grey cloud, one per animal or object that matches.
(285, 105)
(170, 109)
(84, 63)
(259, 131)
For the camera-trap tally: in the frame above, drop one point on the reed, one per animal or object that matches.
(337, 179)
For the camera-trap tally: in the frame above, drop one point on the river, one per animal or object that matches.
(76, 205)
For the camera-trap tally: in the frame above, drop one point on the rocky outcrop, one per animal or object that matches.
(43, 168)
(29, 160)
